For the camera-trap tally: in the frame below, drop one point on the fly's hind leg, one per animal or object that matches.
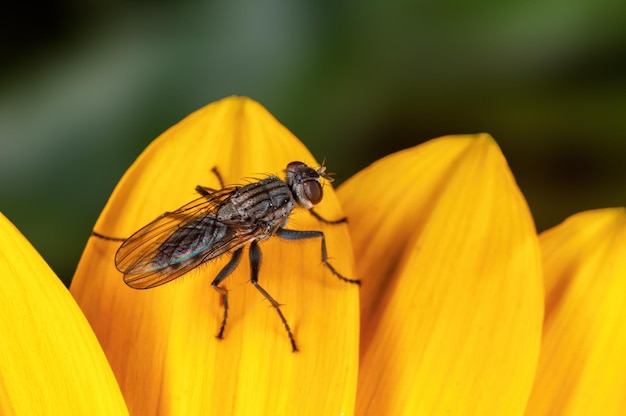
(228, 269)
(305, 235)
(106, 237)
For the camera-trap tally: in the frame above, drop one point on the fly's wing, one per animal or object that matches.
(179, 241)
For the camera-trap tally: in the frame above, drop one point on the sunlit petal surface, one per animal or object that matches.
(582, 368)
(452, 302)
(50, 360)
(162, 342)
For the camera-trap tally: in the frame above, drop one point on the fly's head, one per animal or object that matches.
(304, 183)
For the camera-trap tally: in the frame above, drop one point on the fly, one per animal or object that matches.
(224, 221)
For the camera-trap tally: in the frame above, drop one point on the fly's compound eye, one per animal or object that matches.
(313, 191)
(295, 165)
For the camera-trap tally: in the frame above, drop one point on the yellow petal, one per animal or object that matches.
(162, 342)
(50, 360)
(452, 301)
(582, 367)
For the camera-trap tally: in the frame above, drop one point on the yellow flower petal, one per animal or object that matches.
(452, 293)
(582, 367)
(51, 362)
(162, 342)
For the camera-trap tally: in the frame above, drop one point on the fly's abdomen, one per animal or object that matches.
(192, 239)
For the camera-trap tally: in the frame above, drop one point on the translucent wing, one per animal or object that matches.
(179, 241)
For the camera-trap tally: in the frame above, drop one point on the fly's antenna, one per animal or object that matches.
(322, 172)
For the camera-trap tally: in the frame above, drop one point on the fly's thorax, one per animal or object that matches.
(266, 201)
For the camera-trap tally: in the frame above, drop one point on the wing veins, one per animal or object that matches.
(137, 256)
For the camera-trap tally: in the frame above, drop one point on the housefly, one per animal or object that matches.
(224, 221)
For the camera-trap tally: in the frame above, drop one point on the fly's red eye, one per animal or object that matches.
(313, 191)
(293, 165)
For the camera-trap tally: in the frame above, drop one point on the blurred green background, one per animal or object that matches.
(86, 86)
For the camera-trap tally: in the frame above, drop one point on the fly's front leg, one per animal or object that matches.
(228, 269)
(255, 266)
(325, 221)
(305, 235)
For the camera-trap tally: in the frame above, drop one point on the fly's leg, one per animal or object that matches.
(202, 190)
(206, 191)
(305, 235)
(228, 269)
(106, 237)
(255, 265)
(218, 176)
(325, 221)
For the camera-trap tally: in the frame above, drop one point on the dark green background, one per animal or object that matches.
(87, 85)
